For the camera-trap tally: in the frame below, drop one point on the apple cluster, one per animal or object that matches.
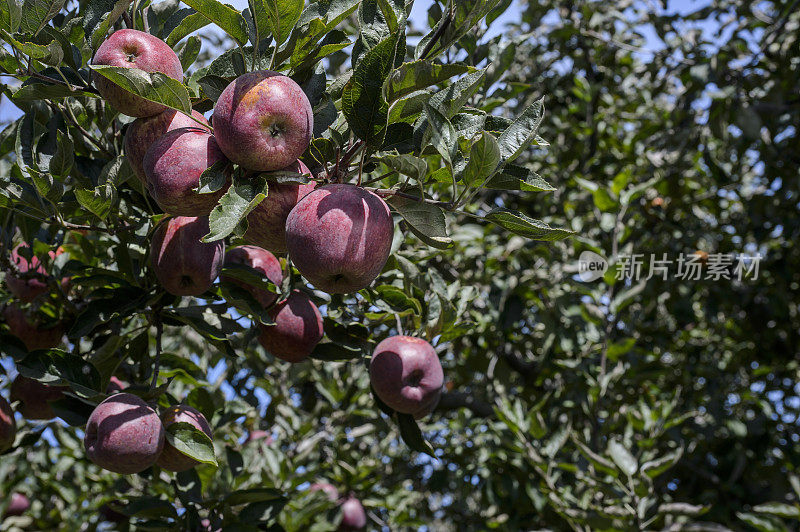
(338, 236)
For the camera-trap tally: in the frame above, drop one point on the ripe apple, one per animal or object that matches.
(172, 459)
(329, 490)
(26, 290)
(406, 374)
(124, 435)
(25, 326)
(339, 237)
(143, 132)
(353, 515)
(8, 425)
(266, 224)
(297, 330)
(173, 165)
(261, 260)
(19, 505)
(134, 49)
(184, 265)
(35, 397)
(263, 121)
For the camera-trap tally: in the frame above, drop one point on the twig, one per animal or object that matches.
(66, 111)
(384, 192)
(127, 18)
(159, 331)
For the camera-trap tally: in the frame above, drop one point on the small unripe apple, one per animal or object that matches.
(8, 425)
(339, 237)
(143, 132)
(353, 515)
(263, 121)
(124, 435)
(184, 265)
(25, 326)
(297, 329)
(19, 505)
(35, 397)
(266, 224)
(261, 260)
(329, 490)
(134, 49)
(173, 165)
(406, 374)
(172, 459)
(26, 290)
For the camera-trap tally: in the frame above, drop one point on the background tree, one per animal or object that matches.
(615, 404)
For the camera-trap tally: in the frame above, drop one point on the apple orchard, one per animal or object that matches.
(167, 211)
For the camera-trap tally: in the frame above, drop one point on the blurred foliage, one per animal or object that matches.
(607, 405)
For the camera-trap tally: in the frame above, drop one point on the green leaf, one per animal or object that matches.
(790, 511)
(192, 442)
(97, 200)
(10, 15)
(762, 523)
(523, 225)
(407, 165)
(425, 220)
(466, 14)
(44, 91)
(412, 436)
(513, 177)
(53, 365)
(253, 495)
(214, 178)
(224, 16)
(335, 352)
(410, 77)
(408, 109)
(242, 197)
(363, 104)
(155, 86)
(599, 462)
(654, 468)
(212, 86)
(37, 13)
(189, 24)
(442, 134)
(281, 17)
(484, 157)
(108, 13)
(522, 131)
(622, 457)
(50, 54)
(190, 51)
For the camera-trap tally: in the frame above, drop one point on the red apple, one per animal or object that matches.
(124, 435)
(263, 121)
(134, 49)
(256, 435)
(339, 237)
(172, 459)
(143, 132)
(297, 329)
(8, 425)
(329, 490)
(261, 260)
(35, 397)
(353, 515)
(25, 326)
(406, 374)
(173, 165)
(184, 265)
(19, 505)
(266, 224)
(26, 290)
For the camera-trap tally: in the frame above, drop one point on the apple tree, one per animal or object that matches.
(237, 250)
